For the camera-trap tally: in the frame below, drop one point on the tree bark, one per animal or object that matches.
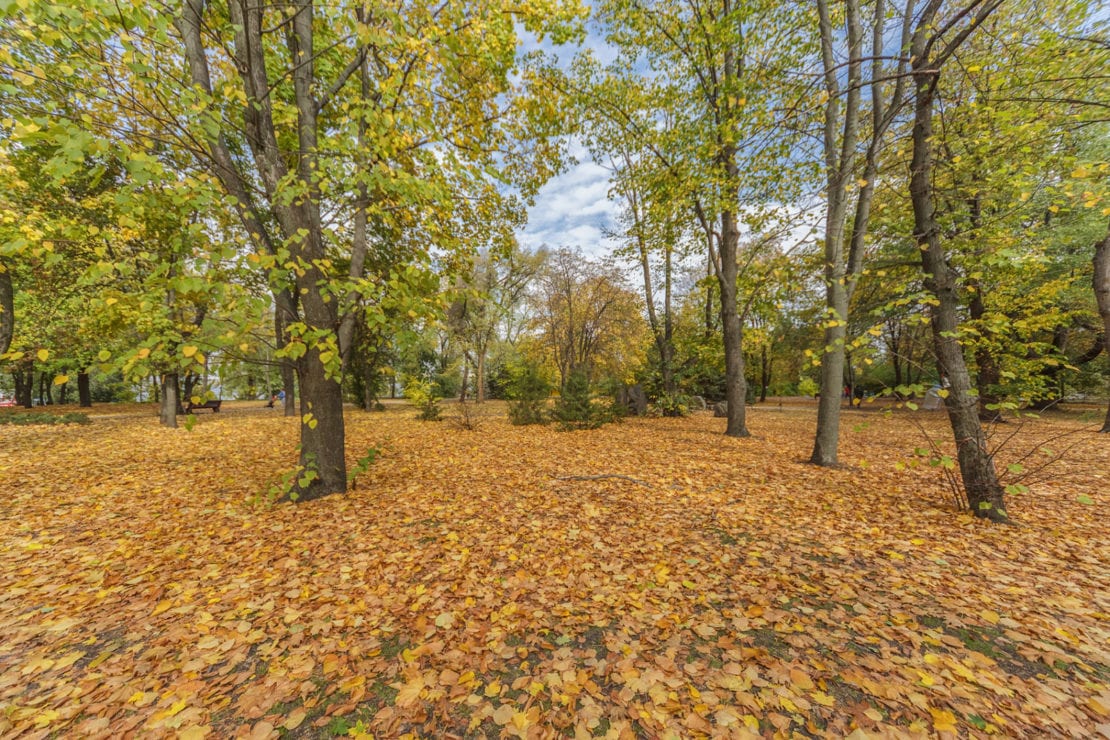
(1102, 296)
(735, 383)
(980, 479)
(321, 402)
(167, 410)
(7, 307)
(46, 398)
(840, 171)
(84, 393)
(764, 372)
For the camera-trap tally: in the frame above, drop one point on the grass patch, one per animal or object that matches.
(41, 417)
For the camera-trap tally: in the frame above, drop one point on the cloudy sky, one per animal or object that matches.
(573, 209)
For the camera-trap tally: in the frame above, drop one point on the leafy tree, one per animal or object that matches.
(848, 186)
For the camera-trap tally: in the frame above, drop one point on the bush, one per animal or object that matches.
(423, 395)
(676, 405)
(527, 390)
(808, 387)
(576, 408)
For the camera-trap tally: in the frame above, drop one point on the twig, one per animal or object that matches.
(602, 477)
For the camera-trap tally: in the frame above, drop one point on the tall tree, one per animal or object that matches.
(305, 114)
(844, 181)
(935, 39)
(720, 73)
(1102, 294)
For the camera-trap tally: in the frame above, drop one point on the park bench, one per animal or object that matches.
(213, 404)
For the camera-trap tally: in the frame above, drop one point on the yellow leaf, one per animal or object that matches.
(823, 699)
(493, 689)
(144, 353)
(43, 355)
(42, 719)
(520, 720)
(990, 615)
(61, 379)
(943, 720)
(295, 718)
(163, 605)
(188, 350)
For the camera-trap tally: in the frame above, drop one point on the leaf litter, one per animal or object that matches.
(651, 578)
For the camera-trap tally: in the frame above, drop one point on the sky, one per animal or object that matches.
(572, 209)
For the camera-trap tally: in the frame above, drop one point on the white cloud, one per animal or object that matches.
(573, 210)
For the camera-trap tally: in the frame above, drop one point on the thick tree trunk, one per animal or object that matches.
(24, 388)
(168, 409)
(980, 480)
(322, 431)
(7, 307)
(84, 393)
(1102, 296)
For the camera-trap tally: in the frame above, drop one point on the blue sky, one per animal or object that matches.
(573, 209)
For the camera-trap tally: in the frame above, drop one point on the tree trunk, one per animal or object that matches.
(84, 393)
(840, 136)
(63, 394)
(167, 410)
(764, 373)
(46, 398)
(980, 480)
(7, 307)
(735, 384)
(24, 388)
(465, 378)
(322, 432)
(287, 369)
(480, 376)
(1102, 296)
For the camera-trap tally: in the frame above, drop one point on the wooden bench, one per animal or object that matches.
(214, 404)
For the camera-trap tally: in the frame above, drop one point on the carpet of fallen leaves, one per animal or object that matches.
(481, 583)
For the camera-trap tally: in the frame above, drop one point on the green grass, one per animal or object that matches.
(39, 417)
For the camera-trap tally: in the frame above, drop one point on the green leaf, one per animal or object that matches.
(1084, 499)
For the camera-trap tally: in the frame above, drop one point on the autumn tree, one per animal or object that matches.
(852, 145)
(720, 75)
(587, 320)
(306, 115)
